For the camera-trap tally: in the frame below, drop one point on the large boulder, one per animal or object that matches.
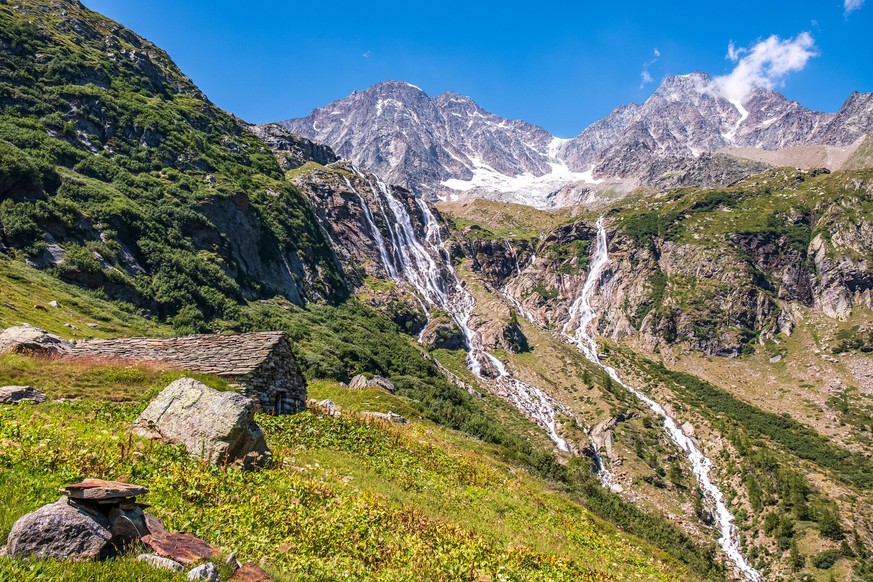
(18, 394)
(61, 530)
(217, 427)
(25, 339)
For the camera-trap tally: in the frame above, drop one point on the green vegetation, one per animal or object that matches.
(796, 438)
(123, 162)
(503, 220)
(854, 339)
(26, 294)
(824, 560)
(346, 497)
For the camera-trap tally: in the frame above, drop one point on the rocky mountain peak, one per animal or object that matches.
(449, 146)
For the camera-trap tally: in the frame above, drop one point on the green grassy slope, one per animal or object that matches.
(346, 497)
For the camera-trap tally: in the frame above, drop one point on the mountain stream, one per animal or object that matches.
(581, 316)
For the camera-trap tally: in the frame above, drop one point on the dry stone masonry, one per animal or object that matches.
(260, 364)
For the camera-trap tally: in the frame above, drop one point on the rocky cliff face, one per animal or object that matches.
(715, 289)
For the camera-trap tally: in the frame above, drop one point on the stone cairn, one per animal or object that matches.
(94, 519)
(98, 519)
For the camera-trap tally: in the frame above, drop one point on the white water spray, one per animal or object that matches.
(582, 312)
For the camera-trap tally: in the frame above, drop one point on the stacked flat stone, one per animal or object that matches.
(260, 364)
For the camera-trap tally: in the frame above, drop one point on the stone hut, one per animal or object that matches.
(260, 364)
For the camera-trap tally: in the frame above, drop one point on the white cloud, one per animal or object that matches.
(367, 54)
(765, 65)
(645, 76)
(852, 5)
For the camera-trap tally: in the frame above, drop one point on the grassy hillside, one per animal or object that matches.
(117, 173)
(346, 497)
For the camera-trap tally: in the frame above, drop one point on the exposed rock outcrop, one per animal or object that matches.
(217, 427)
(361, 382)
(291, 149)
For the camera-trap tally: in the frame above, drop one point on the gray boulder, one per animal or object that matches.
(160, 562)
(361, 382)
(383, 383)
(217, 427)
(62, 531)
(18, 394)
(24, 339)
(207, 571)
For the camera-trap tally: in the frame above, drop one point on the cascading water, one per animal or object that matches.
(437, 284)
(582, 312)
(514, 256)
(377, 235)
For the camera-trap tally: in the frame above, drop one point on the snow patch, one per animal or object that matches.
(533, 188)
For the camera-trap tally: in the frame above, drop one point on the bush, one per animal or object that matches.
(826, 559)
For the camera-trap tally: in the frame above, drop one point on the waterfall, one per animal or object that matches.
(514, 256)
(377, 236)
(427, 267)
(582, 312)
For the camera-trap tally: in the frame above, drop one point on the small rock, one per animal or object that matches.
(232, 561)
(359, 382)
(53, 304)
(383, 383)
(92, 325)
(161, 562)
(71, 326)
(207, 571)
(329, 407)
(776, 358)
(127, 524)
(182, 547)
(18, 394)
(251, 572)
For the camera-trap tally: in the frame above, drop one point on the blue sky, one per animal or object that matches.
(561, 65)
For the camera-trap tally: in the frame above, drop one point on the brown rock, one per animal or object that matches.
(251, 572)
(181, 547)
(98, 490)
(154, 525)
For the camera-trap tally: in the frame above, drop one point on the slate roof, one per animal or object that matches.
(224, 355)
